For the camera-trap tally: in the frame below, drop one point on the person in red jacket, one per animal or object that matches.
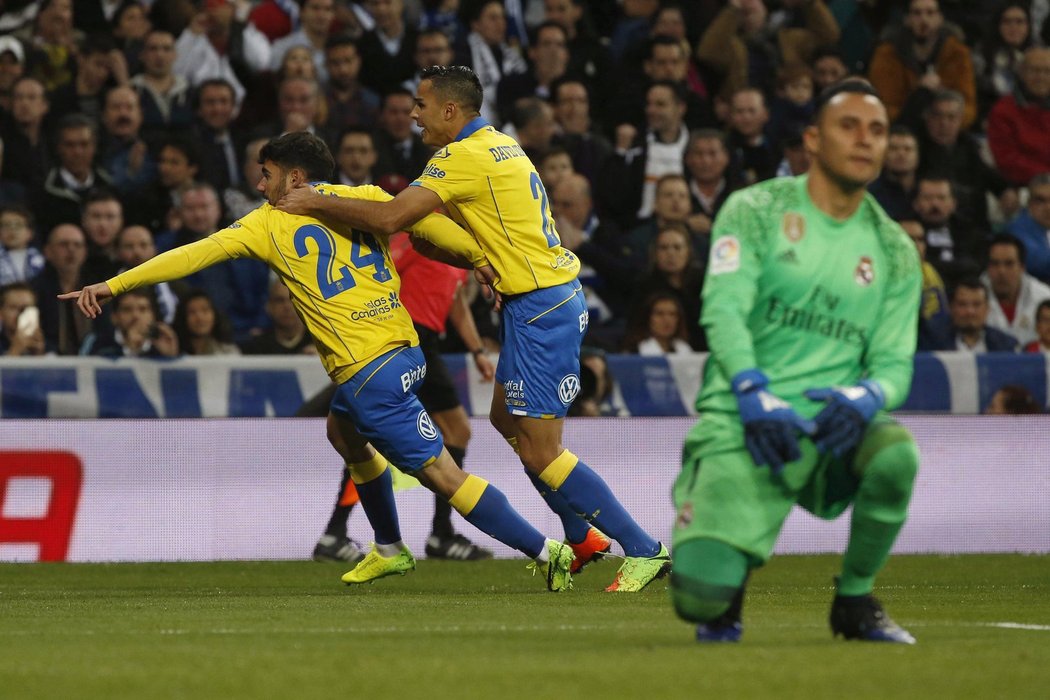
(1018, 123)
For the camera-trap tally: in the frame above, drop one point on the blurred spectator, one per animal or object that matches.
(136, 330)
(26, 141)
(238, 201)
(19, 338)
(755, 157)
(606, 270)
(658, 328)
(100, 67)
(666, 59)
(795, 160)
(588, 57)
(709, 176)
(101, 219)
(64, 327)
(200, 328)
(124, 154)
(65, 185)
(134, 247)
(828, 66)
(945, 148)
(286, 335)
(953, 245)
(486, 51)
(630, 26)
(1032, 227)
(433, 48)
(95, 16)
(178, 162)
(895, 187)
(12, 67)
(934, 301)
(548, 55)
(745, 49)
(298, 62)
(355, 158)
(1013, 295)
(238, 287)
(1042, 330)
(572, 111)
(19, 260)
(966, 327)
(1018, 123)
(400, 149)
(627, 186)
(300, 108)
(164, 92)
(315, 23)
(221, 145)
(918, 58)
(441, 16)
(533, 121)
(388, 51)
(553, 165)
(998, 56)
(219, 43)
(673, 268)
(1012, 400)
(130, 26)
(791, 109)
(672, 207)
(53, 44)
(349, 102)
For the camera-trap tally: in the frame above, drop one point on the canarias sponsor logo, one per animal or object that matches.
(377, 309)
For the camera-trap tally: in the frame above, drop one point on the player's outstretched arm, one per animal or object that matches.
(170, 265)
(382, 218)
(446, 234)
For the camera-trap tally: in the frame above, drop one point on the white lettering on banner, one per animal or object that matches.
(286, 468)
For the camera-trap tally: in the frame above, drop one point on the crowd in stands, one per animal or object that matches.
(130, 127)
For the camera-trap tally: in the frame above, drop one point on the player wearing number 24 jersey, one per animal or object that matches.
(345, 287)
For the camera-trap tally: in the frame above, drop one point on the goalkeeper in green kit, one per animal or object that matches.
(810, 308)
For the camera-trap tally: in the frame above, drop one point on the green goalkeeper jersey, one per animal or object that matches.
(809, 300)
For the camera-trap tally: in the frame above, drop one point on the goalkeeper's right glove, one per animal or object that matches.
(771, 426)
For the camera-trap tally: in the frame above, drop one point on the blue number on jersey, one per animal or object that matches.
(327, 285)
(375, 257)
(538, 192)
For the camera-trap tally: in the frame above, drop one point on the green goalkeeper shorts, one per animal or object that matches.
(720, 494)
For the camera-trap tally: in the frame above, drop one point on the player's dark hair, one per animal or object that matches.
(852, 85)
(1009, 239)
(971, 283)
(456, 83)
(300, 149)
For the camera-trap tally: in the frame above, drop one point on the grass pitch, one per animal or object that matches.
(487, 630)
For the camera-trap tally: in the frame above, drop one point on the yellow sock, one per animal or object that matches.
(363, 472)
(555, 473)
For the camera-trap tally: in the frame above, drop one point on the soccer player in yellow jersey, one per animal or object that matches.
(345, 288)
(491, 189)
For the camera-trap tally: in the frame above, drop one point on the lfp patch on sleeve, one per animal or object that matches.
(725, 256)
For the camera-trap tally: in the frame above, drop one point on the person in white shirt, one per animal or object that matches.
(1013, 294)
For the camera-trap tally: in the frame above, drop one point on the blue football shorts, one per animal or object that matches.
(380, 400)
(539, 362)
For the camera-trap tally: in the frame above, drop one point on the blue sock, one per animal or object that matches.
(586, 492)
(575, 526)
(485, 507)
(377, 498)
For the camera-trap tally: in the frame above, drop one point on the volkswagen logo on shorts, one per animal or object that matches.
(569, 388)
(425, 426)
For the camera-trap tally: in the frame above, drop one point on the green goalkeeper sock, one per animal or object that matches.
(887, 474)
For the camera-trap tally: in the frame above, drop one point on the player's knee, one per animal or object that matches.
(892, 470)
(694, 600)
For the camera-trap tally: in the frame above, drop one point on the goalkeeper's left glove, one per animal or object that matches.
(849, 409)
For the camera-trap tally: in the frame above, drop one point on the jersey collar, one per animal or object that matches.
(473, 125)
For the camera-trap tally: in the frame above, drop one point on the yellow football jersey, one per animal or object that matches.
(491, 188)
(343, 282)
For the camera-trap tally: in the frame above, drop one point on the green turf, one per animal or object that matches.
(486, 630)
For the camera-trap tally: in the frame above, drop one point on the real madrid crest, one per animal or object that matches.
(793, 226)
(864, 274)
